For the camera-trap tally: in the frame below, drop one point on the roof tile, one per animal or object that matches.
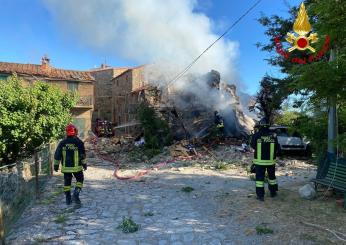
(51, 72)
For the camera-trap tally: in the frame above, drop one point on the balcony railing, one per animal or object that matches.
(85, 101)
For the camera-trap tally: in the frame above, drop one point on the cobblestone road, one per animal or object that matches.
(167, 215)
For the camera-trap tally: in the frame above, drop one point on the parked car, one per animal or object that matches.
(290, 142)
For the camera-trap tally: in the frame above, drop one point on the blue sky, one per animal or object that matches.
(28, 31)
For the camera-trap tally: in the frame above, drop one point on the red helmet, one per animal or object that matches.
(71, 130)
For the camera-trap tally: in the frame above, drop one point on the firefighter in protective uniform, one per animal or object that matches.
(71, 154)
(219, 122)
(265, 145)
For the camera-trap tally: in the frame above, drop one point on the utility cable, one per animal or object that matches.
(212, 44)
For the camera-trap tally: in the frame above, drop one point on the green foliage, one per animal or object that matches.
(148, 214)
(60, 219)
(187, 189)
(269, 98)
(263, 230)
(30, 116)
(40, 239)
(317, 82)
(286, 118)
(156, 130)
(128, 225)
(222, 166)
(289, 118)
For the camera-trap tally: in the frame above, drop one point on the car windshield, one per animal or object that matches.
(283, 132)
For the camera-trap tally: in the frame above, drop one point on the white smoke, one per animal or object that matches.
(166, 33)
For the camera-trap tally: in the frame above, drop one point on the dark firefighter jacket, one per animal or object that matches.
(71, 154)
(265, 145)
(218, 120)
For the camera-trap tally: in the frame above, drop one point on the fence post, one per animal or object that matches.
(37, 187)
(2, 226)
(50, 159)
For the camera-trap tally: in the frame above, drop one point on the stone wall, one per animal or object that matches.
(19, 186)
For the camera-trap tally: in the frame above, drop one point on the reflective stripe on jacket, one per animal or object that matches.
(265, 145)
(71, 153)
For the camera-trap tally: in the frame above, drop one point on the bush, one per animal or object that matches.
(156, 130)
(30, 116)
(128, 225)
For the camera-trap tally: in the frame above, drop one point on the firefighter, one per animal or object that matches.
(71, 154)
(265, 145)
(218, 120)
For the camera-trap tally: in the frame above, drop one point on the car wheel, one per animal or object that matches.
(279, 151)
(308, 151)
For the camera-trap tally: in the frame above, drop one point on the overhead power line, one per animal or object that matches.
(212, 44)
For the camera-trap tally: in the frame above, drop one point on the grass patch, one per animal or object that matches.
(148, 214)
(221, 166)
(39, 239)
(46, 201)
(128, 225)
(57, 192)
(60, 219)
(187, 189)
(49, 200)
(262, 230)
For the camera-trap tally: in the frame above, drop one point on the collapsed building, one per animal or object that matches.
(114, 94)
(189, 110)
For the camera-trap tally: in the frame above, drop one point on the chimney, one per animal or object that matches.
(45, 63)
(103, 66)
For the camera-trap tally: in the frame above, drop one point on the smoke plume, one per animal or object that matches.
(164, 34)
(169, 33)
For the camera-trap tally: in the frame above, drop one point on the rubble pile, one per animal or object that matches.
(190, 113)
(181, 153)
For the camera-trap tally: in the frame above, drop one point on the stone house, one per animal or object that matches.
(80, 82)
(128, 90)
(103, 91)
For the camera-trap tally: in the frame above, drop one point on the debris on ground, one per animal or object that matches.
(307, 192)
(226, 154)
(182, 148)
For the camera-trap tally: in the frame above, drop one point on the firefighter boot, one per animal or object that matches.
(259, 198)
(273, 194)
(68, 198)
(76, 196)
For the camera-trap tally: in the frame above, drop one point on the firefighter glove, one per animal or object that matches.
(253, 168)
(56, 168)
(85, 167)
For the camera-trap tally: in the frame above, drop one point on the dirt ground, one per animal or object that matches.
(221, 175)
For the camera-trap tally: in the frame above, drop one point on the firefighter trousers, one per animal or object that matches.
(68, 180)
(260, 175)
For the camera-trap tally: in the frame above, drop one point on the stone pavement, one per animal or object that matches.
(166, 214)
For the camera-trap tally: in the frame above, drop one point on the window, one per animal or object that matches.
(3, 76)
(72, 86)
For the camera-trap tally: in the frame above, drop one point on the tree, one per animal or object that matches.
(30, 116)
(156, 130)
(317, 81)
(269, 98)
